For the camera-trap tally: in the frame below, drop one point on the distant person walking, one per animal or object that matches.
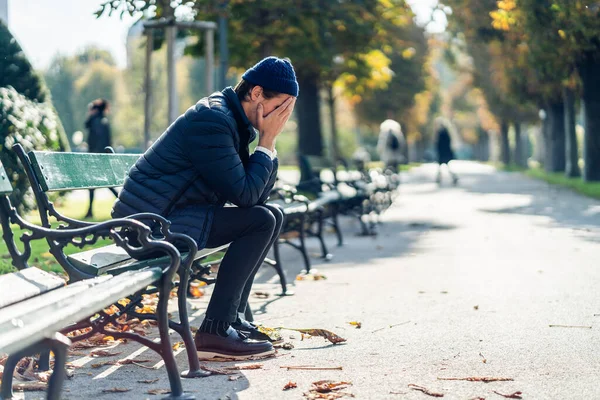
(390, 144)
(444, 149)
(99, 136)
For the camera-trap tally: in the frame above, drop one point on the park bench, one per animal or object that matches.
(37, 309)
(318, 177)
(303, 217)
(56, 171)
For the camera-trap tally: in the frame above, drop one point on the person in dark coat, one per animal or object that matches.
(99, 135)
(444, 151)
(201, 163)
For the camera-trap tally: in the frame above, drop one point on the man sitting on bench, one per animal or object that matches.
(201, 162)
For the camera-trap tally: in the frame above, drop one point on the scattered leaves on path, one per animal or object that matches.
(425, 390)
(261, 295)
(148, 381)
(177, 345)
(249, 366)
(103, 353)
(476, 307)
(290, 385)
(515, 395)
(484, 359)
(311, 276)
(115, 390)
(357, 324)
(195, 290)
(332, 337)
(218, 371)
(285, 346)
(329, 390)
(159, 391)
(485, 379)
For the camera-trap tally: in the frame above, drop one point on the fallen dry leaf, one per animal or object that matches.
(218, 371)
(290, 385)
(332, 337)
(312, 276)
(148, 381)
(234, 377)
(273, 333)
(425, 390)
(115, 390)
(484, 379)
(326, 386)
(515, 395)
(240, 367)
(177, 345)
(195, 290)
(328, 390)
(159, 391)
(476, 307)
(357, 324)
(261, 295)
(103, 353)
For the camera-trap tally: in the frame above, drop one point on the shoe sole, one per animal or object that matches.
(207, 355)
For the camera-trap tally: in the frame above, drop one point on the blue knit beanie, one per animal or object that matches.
(274, 74)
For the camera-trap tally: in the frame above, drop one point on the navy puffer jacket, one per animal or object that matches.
(201, 162)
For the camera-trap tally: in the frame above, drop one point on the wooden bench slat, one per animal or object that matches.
(114, 259)
(25, 284)
(63, 171)
(43, 315)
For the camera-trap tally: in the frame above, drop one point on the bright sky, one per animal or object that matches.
(46, 27)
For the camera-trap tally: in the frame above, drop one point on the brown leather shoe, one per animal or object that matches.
(236, 345)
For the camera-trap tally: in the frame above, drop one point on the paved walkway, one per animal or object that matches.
(463, 281)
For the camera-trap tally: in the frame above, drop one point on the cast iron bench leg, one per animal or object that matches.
(324, 251)
(302, 237)
(59, 345)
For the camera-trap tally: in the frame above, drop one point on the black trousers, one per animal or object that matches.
(251, 232)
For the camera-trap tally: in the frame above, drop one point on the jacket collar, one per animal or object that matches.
(238, 111)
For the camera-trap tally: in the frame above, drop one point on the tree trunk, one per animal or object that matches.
(588, 71)
(335, 149)
(571, 153)
(504, 145)
(520, 160)
(310, 140)
(555, 137)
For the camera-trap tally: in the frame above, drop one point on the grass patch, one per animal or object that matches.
(74, 207)
(590, 189)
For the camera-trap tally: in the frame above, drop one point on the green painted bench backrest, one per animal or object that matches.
(5, 186)
(65, 171)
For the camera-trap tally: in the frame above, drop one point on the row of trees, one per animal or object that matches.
(537, 54)
(370, 52)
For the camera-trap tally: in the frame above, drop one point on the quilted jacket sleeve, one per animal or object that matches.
(270, 184)
(209, 143)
